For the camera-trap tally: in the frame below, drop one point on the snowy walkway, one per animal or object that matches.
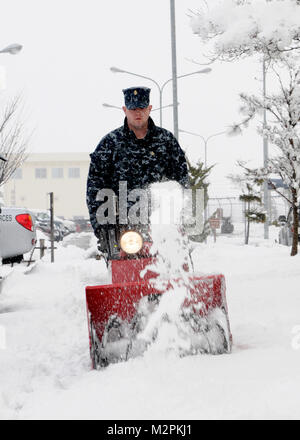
(45, 368)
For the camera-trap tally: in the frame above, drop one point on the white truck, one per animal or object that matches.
(17, 234)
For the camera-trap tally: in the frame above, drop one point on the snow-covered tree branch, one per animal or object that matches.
(283, 131)
(240, 28)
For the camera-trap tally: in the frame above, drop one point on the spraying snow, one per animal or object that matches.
(45, 369)
(171, 265)
(174, 325)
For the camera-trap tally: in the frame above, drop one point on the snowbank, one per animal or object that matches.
(45, 368)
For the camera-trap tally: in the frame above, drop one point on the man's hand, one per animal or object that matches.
(101, 235)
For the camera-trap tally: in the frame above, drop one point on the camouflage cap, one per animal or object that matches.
(136, 97)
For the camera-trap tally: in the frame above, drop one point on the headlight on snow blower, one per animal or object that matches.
(131, 242)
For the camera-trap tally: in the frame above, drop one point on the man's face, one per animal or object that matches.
(137, 118)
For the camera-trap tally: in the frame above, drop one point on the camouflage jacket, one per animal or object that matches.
(120, 156)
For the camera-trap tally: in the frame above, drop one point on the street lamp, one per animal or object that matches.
(12, 49)
(111, 106)
(205, 140)
(2, 158)
(265, 149)
(160, 88)
(105, 104)
(174, 66)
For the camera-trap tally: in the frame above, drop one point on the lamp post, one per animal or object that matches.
(174, 66)
(160, 88)
(205, 140)
(105, 104)
(111, 106)
(12, 49)
(265, 147)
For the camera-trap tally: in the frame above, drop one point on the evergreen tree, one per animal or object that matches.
(198, 180)
(251, 196)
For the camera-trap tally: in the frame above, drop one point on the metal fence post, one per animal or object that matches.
(42, 247)
(174, 67)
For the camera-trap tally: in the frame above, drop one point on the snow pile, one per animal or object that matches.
(45, 368)
(173, 266)
(43, 312)
(249, 26)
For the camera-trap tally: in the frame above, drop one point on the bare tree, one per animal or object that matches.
(13, 140)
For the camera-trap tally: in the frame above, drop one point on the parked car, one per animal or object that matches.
(45, 226)
(282, 220)
(17, 234)
(62, 227)
(83, 225)
(285, 235)
(69, 226)
(226, 226)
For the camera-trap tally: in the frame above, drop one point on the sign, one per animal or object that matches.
(214, 223)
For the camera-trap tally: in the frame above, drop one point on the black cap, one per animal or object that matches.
(136, 97)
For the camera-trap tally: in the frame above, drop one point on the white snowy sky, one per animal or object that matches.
(63, 73)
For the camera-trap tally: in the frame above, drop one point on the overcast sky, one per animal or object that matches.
(63, 73)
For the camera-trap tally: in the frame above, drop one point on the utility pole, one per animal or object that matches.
(174, 67)
(265, 145)
(52, 226)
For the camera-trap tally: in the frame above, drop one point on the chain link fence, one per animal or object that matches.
(232, 210)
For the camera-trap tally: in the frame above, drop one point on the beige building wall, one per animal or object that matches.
(64, 174)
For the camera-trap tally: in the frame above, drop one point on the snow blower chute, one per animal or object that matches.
(118, 312)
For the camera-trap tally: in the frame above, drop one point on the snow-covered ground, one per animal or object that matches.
(44, 356)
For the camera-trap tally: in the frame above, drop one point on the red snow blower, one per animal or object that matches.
(118, 312)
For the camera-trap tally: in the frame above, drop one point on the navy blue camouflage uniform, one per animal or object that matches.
(120, 156)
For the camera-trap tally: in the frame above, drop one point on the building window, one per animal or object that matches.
(57, 173)
(18, 174)
(74, 173)
(41, 173)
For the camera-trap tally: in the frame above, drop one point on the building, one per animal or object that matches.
(64, 174)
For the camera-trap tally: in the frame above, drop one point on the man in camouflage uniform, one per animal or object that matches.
(139, 153)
